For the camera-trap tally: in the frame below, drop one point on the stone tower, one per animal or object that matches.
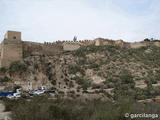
(11, 48)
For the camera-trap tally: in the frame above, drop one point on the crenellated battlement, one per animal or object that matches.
(13, 48)
(50, 43)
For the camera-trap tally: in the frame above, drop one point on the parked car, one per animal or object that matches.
(10, 96)
(38, 92)
(50, 91)
(4, 94)
(15, 95)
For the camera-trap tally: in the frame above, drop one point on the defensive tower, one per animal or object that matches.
(11, 48)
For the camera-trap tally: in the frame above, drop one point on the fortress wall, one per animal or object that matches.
(156, 44)
(102, 41)
(126, 44)
(52, 49)
(138, 44)
(71, 46)
(11, 51)
(119, 42)
(98, 42)
(87, 42)
(12, 34)
(60, 43)
(30, 48)
(108, 42)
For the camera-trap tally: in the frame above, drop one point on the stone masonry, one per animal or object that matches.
(11, 48)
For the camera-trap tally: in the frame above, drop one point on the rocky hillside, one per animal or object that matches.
(104, 72)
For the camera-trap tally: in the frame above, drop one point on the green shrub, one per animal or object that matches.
(96, 86)
(79, 52)
(27, 63)
(140, 94)
(17, 66)
(50, 76)
(71, 84)
(94, 66)
(73, 69)
(3, 69)
(84, 83)
(41, 59)
(41, 108)
(126, 77)
(36, 66)
(4, 79)
(53, 82)
(125, 86)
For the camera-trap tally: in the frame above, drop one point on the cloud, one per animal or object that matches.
(51, 20)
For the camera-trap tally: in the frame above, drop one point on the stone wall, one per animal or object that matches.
(13, 35)
(138, 44)
(156, 44)
(52, 49)
(87, 42)
(31, 48)
(71, 46)
(11, 48)
(102, 41)
(10, 52)
(119, 42)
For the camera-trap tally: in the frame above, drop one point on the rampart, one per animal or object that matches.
(71, 46)
(13, 48)
(138, 44)
(31, 48)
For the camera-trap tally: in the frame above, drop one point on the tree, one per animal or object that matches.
(147, 40)
(75, 38)
(126, 77)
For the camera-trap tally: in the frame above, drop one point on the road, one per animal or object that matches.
(3, 115)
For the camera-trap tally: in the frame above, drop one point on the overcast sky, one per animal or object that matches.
(51, 20)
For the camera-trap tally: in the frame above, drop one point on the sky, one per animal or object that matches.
(52, 20)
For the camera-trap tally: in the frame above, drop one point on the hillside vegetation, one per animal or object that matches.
(84, 80)
(120, 68)
(93, 72)
(41, 108)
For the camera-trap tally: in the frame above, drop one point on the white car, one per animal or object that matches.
(38, 92)
(17, 95)
(10, 96)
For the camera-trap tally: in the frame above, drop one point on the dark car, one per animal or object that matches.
(4, 94)
(50, 91)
